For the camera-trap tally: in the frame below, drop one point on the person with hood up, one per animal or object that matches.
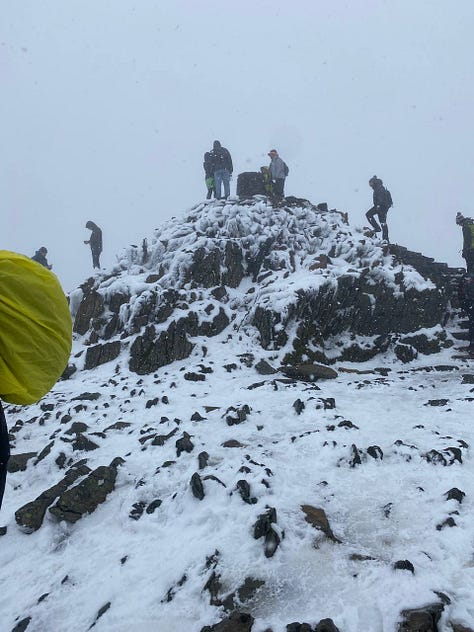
(95, 242)
(382, 201)
(467, 225)
(40, 257)
(278, 172)
(222, 166)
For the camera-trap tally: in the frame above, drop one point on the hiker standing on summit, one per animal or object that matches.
(222, 165)
(467, 225)
(278, 172)
(95, 242)
(382, 201)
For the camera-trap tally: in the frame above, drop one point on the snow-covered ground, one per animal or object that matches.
(377, 449)
(382, 509)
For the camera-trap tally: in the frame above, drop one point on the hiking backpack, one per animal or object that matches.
(285, 168)
(35, 329)
(387, 198)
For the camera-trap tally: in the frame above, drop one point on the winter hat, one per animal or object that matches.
(459, 218)
(273, 152)
(375, 180)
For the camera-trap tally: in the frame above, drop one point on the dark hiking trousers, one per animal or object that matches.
(95, 259)
(382, 215)
(469, 258)
(278, 186)
(4, 452)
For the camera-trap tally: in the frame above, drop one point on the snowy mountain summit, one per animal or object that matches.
(263, 427)
(292, 278)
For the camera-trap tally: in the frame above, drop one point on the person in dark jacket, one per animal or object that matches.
(222, 165)
(209, 174)
(278, 172)
(4, 452)
(467, 225)
(40, 257)
(95, 242)
(382, 202)
(466, 300)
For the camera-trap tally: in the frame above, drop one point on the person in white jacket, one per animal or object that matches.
(278, 172)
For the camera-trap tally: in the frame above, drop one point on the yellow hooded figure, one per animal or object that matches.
(35, 329)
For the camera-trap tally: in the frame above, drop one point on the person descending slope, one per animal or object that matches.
(209, 174)
(222, 165)
(95, 242)
(467, 225)
(40, 257)
(382, 201)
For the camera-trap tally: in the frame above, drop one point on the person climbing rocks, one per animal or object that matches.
(222, 169)
(278, 172)
(467, 224)
(209, 174)
(95, 242)
(4, 452)
(466, 300)
(382, 201)
(40, 257)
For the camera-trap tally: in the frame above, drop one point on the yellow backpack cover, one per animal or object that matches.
(35, 329)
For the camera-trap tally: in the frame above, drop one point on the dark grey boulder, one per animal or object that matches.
(87, 496)
(326, 625)
(423, 619)
(100, 354)
(30, 516)
(19, 462)
(309, 372)
(236, 622)
(91, 306)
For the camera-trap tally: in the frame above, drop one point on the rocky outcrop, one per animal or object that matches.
(83, 499)
(30, 516)
(188, 285)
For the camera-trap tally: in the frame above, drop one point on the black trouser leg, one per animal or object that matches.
(4, 452)
(471, 328)
(95, 259)
(278, 186)
(470, 262)
(372, 221)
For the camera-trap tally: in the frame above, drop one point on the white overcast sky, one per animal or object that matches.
(108, 106)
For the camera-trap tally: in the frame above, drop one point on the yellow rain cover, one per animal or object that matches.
(35, 329)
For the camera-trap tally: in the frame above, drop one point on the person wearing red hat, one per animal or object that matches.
(467, 225)
(278, 172)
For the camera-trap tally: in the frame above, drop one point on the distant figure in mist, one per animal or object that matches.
(278, 171)
(95, 242)
(222, 168)
(208, 165)
(382, 201)
(467, 225)
(40, 257)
